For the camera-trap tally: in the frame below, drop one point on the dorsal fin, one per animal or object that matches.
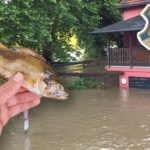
(24, 50)
(3, 46)
(29, 52)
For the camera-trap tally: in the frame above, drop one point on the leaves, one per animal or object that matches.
(47, 25)
(84, 83)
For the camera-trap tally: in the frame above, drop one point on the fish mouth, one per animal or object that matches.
(59, 97)
(62, 97)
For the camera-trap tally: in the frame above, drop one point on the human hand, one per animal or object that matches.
(13, 100)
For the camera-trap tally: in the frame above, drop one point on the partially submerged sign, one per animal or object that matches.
(144, 35)
(139, 82)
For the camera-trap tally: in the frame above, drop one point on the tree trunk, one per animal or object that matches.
(47, 54)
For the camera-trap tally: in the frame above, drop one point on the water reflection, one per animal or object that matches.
(27, 144)
(124, 94)
(73, 68)
(114, 119)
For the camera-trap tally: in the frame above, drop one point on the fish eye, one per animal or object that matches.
(59, 87)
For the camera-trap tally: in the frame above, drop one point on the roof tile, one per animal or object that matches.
(130, 3)
(133, 24)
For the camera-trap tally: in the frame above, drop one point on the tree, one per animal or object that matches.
(109, 15)
(47, 25)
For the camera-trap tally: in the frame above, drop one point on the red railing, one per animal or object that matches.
(122, 56)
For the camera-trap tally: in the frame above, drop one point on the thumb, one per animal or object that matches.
(11, 87)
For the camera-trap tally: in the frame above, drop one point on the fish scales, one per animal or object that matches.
(40, 77)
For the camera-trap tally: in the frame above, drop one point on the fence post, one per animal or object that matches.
(131, 55)
(103, 83)
(108, 49)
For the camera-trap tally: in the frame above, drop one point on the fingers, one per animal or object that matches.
(14, 110)
(10, 87)
(1, 127)
(4, 115)
(22, 98)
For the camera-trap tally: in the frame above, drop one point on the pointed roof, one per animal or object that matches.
(133, 24)
(132, 3)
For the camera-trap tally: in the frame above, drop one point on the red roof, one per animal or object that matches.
(131, 3)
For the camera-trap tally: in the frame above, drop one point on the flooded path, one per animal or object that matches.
(114, 119)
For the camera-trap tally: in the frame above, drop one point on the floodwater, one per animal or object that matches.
(111, 119)
(114, 119)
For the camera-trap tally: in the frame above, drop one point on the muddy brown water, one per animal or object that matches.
(111, 119)
(114, 119)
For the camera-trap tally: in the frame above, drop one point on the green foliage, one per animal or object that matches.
(84, 83)
(47, 25)
(108, 16)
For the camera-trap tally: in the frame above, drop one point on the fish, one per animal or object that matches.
(39, 75)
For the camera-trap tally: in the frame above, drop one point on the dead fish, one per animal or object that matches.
(40, 77)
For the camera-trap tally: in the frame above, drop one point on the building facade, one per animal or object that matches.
(132, 59)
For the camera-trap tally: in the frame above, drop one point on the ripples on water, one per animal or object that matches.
(114, 119)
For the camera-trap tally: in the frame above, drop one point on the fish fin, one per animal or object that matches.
(5, 73)
(3, 46)
(23, 88)
(30, 52)
(31, 81)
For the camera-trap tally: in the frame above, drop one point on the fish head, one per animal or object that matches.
(53, 87)
(55, 90)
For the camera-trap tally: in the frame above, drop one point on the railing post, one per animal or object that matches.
(108, 49)
(131, 55)
(108, 57)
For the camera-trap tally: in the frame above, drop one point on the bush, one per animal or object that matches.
(84, 83)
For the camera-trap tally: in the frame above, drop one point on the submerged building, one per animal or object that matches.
(132, 59)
